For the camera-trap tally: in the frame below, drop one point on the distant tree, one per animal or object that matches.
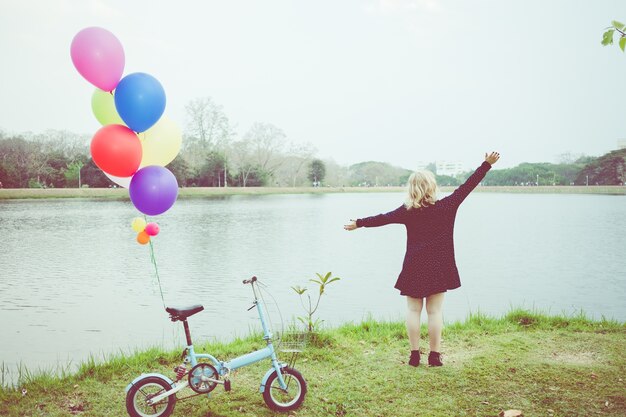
(609, 169)
(181, 170)
(212, 172)
(446, 180)
(207, 124)
(208, 130)
(336, 175)
(294, 162)
(241, 157)
(72, 174)
(3, 176)
(267, 143)
(15, 162)
(377, 173)
(255, 177)
(584, 159)
(55, 170)
(40, 159)
(259, 154)
(317, 171)
(93, 177)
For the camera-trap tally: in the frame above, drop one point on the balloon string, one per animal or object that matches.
(156, 270)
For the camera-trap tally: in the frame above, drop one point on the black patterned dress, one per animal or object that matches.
(429, 266)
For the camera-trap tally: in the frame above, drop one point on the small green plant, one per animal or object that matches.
(310, 308)
(607, 37)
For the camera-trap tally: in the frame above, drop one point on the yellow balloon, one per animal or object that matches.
(103, 107)
(161, 143)
(138, 224)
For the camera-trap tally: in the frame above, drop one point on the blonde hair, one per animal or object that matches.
(422, 190)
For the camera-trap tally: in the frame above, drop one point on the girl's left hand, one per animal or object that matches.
(350, 226)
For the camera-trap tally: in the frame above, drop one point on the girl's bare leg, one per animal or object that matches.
(434, 304)
(413, 320)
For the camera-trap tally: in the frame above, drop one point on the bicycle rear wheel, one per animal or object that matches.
(147, 388)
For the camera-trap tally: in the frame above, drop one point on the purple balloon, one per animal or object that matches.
(153, 190)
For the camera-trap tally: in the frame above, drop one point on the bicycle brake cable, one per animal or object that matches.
(282, 322)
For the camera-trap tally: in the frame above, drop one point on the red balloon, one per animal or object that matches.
(116, 150)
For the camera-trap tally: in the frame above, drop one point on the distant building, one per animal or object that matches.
(449, 168)
(621, 144)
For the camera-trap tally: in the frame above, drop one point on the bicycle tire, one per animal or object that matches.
(272, 389)
(145, 387)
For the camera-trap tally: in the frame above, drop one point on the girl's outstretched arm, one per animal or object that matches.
(457, 197)
(396, 216)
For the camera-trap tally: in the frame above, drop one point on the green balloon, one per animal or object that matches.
(103, 107)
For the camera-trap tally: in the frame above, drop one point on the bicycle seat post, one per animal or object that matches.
(182, 314)
(187, 332)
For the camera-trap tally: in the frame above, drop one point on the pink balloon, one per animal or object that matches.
(152, 229)
(99, 57)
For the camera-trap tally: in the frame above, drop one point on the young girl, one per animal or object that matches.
(429, 268)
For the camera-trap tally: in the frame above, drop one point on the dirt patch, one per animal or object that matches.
(74, 404)
(574, 358)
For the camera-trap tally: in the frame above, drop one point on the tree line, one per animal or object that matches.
(608, 169)
(214, 155)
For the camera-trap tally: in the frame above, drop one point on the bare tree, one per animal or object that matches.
(241, 155)
(208, 130)
(207, 124)
(294, 161)
(336, 175)
(267, 142)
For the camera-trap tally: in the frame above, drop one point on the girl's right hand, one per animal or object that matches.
(350, 226)
(492, 158)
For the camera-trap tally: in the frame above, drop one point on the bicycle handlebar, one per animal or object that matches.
(249, 281)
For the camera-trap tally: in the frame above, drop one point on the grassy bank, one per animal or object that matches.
(544, 366)
(200, 192)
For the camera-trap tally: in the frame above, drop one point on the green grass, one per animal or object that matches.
(204, 192)
(543, 365)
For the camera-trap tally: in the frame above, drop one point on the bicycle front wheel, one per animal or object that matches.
(279, 399)
(147, 388)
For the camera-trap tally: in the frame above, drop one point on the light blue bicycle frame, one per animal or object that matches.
(224, 368)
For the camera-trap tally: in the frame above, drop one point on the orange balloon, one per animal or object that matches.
(143, 238)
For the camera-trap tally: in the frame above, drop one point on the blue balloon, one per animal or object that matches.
(140, 101)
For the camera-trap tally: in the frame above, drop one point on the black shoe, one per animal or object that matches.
(434, 359)
(415, 358)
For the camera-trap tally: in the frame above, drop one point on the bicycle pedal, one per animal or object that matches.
(227, 385)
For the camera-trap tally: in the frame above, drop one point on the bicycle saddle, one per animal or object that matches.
(182, 313)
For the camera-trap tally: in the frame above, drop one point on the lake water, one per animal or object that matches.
(74, 282)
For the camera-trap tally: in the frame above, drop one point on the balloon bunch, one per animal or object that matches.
(144, 230)
(137, 140)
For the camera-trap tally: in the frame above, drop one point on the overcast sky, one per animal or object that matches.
(400, 81)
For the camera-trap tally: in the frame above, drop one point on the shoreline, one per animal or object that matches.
(207, 192)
